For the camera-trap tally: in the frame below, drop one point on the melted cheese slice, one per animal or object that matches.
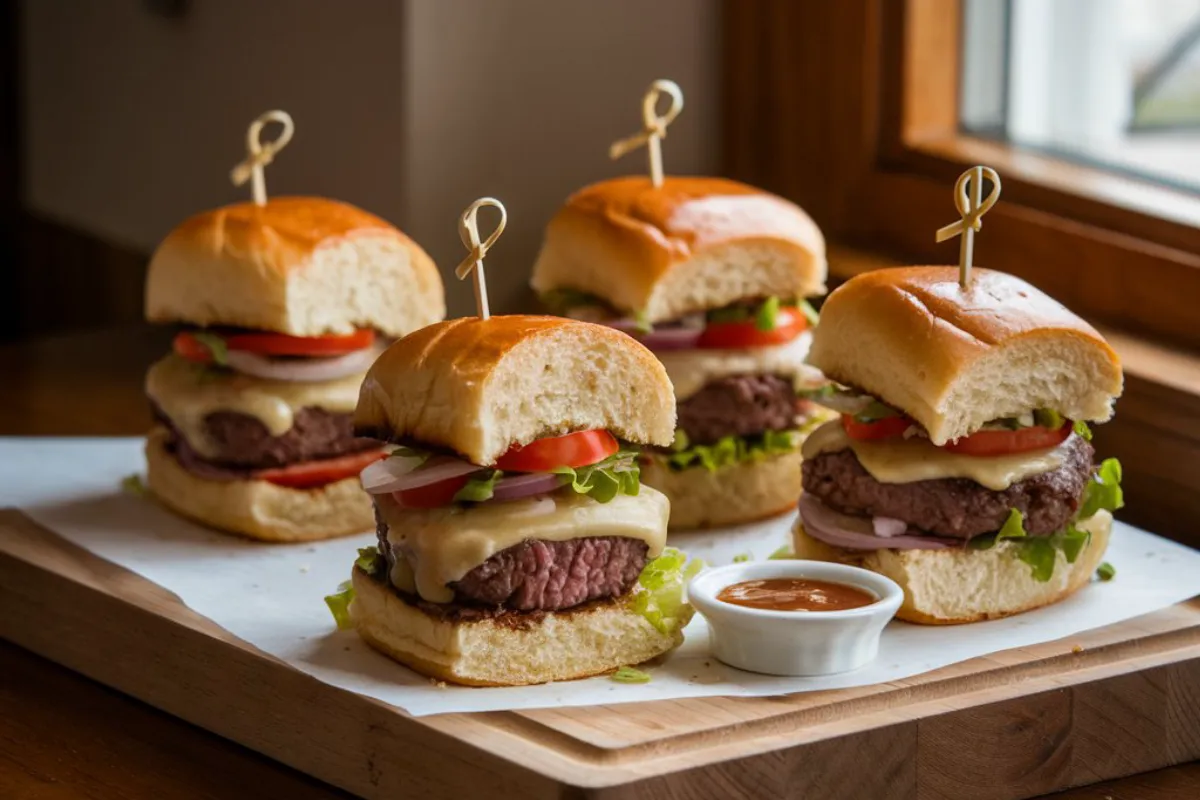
(917, 459)
(691, 370)
(188, 392)
(442, 545)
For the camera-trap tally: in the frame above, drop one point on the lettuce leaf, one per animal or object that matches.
(479, 487)
(1083, 431)
(782, 553)
(369, 560)
(730, 450)
(339, 605)
(659, 593)
(1039, 552)
(216, 346)
(617, 474)
(133, 484)
(1106, 571)
(766, 318)
(809, 312)
(630, 675)
(1103, 491)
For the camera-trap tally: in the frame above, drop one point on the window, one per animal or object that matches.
(1113, 84)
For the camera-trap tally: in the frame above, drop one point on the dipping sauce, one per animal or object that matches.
(795, 594)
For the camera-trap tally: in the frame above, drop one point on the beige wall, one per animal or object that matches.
(409, 109)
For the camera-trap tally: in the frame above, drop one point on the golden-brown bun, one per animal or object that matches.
(690, 245)
(304, 266)
(742, 492)
(514, 650)
(479, 386)
(954, 359)
(948, 587)
(257, 509)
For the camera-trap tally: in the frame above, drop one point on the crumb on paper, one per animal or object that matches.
(438, 684)
(305, 568)
(1077, 649)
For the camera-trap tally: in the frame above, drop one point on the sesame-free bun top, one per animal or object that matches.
(692, 244)
(954, 359)
(478, 386)
(304, 266)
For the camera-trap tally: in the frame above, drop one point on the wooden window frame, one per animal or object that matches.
(850, 108)
(872, 86)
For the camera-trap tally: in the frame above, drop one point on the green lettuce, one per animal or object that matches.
(765, 315)
(630, 675)
(742, 558)
(133, 485)
(339, 605)
(480, 487)
(1103, 493)
(730, 450)
(782, 553)
(1106, 571)
(766, 318)
(369, 560)
(809, 312)
(1083, 431)
(617, 474)
(216, 346)
(659, 593)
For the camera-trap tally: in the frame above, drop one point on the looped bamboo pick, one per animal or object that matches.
(972, 210)
(654, 128)
(468, 231)
(260, 154)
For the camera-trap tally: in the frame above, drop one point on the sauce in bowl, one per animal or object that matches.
(795, 594)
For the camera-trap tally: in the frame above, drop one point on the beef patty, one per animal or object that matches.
(955, 507)
(244, 443)
(739, 405)
(538, 575)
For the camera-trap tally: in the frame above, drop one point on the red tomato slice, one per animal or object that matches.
(1001, 443)
(879, 429)
(280, 344)
(435, 495)
(789, 323)
(311, 474)
(573, 450)
(191, 348)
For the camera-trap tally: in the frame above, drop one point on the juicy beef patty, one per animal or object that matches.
(739, 405)
(243, 442)
(954, 507)
(538, 575)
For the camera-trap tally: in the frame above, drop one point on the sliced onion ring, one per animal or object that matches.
(404, 477)
(302, 369)
(666, 338)
(856, 533)
(526, 485)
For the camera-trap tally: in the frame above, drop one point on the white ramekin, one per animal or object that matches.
(794, 642)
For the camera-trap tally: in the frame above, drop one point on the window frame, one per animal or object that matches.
(882, 77)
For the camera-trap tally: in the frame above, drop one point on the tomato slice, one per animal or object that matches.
(884, 428)
(572, 450)
(280, 344)
(311, 474)
(435, 495)
(274, 344)
(789, 323)
(1001, 443)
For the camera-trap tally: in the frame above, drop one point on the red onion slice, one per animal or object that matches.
(668, 338)
(397, 474)
(527, 485)
(856, 533)
(888, 526)
(302, 369)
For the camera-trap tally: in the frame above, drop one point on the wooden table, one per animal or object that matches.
(63, 736)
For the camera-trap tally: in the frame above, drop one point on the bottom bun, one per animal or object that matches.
(257, 509)
(949, 587)
(743, 492)
(512, 649)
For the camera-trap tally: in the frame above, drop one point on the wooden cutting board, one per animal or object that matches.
(1103, 704)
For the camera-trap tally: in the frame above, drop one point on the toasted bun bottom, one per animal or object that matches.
(511, 650)
(257, 509)
(948, 587)
(743, 492)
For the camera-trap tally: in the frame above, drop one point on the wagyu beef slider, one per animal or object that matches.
(282, 309)
(711, 275)
(962, 466)
(516, 544)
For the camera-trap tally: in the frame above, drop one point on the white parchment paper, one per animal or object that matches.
(272, 596)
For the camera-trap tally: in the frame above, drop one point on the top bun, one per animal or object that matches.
(691, 245)
(304, 266)
(480, 386)
(954, 359)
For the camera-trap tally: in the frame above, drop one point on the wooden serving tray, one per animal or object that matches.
(1103, 704)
